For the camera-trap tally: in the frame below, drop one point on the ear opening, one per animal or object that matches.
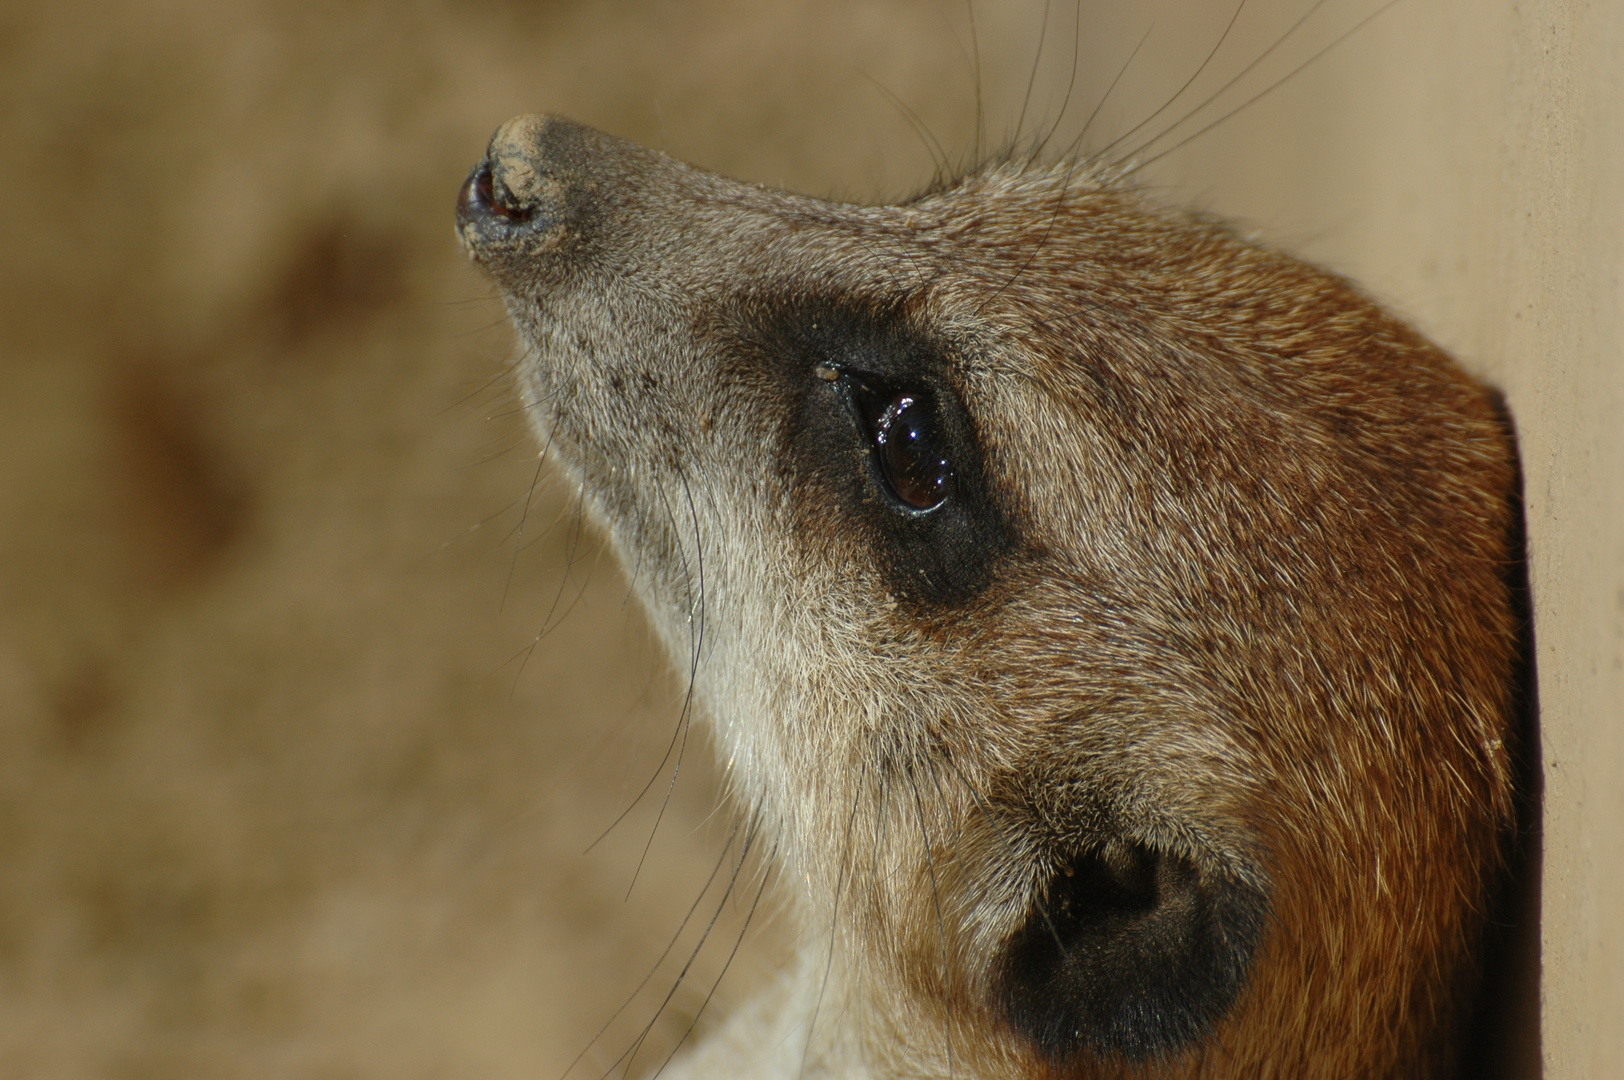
(1130, 952)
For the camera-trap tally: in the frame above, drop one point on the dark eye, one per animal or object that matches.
(909, 452)
(906, 448)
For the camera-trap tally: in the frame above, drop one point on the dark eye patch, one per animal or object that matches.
(886, 452)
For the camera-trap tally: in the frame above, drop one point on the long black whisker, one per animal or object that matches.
(529, 498)
(524, 516)
(498, 447)
(975, 48)
(655, 967)
(1065, 102)
(885, 263)
(882, 825)
(676, 733)
(631, 1052)
(1245, 70)
(578, 526)
(1032, 78)
(514, 535)
(476, 526)
(1109, 90)
(1114, 143)
(969, 62)
(502, 377)
(743, 930)
(1060, 199)
(834, 919)
(693, 677)
(687, 703)
(933, 146)
(941, 923)
(1074, 313)
(482, 328)
(1142, 147)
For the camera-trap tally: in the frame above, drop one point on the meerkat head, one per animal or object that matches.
(1101, 614)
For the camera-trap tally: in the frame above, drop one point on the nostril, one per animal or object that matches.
(484, 188)
(479, 195)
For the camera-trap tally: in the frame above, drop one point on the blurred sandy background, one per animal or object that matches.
(284, 790)
(276, 798)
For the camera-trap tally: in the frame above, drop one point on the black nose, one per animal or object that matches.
(551, 198)
(490, 211)
(528, 189)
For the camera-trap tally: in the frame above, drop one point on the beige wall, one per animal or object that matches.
(1553, 331)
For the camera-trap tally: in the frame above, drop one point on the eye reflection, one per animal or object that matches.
(909, 454)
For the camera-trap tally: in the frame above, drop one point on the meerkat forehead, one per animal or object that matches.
(1103, 611)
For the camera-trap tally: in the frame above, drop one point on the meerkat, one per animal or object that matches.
(1102, 617)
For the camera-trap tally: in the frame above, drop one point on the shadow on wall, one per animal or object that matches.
(1505, 1039)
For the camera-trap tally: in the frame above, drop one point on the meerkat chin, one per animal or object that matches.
(1103, 614)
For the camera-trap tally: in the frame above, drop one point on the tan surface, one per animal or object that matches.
(274, 800)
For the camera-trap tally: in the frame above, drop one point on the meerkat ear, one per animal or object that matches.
(1130, 953)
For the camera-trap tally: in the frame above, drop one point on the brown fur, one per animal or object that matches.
(1245, 612)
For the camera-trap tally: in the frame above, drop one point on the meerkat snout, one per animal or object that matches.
(523, 191)
(1102, 615)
